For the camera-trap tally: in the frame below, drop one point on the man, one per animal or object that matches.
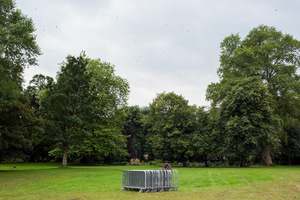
(167, 166)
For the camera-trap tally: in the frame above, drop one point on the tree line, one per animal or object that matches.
(83, 115)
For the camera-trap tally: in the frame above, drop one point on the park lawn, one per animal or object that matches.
(49, 181)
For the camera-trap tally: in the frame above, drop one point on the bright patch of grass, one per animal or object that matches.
(49, 181)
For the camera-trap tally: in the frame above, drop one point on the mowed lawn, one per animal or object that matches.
(49, 181)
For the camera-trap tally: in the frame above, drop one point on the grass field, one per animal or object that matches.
(49, 181)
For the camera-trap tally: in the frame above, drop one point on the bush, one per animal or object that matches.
(208, 163)
(134, 161)
(152, 162)
(159, 162)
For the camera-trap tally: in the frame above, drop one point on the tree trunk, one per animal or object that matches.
(266, 155)
(243, 161)
(290, 160)
(89, 159)
(205, 160)
(184, 164)
(37, 154)
(65, 155)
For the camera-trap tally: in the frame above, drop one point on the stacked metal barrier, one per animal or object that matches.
(150, 180)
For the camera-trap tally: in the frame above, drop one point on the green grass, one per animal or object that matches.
(49, 181)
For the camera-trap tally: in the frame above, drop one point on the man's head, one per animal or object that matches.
(166, 162)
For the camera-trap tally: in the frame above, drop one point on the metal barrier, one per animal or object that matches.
(150, 180)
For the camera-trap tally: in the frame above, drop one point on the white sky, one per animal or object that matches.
(157, 45)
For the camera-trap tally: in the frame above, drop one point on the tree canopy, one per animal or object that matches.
(86, 104)
(248, 121)
(18, 49)
(173, 121)
(269, 55)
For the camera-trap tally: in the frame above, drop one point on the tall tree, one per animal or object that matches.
(67, 106)
(248, 120)
(268, 54)
(174, 122)
(86, 108)
(108, 94)
(18, 49)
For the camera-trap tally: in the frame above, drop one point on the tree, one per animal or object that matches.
(173, 121)
(108, 96)
(291, 146)
(42, 143)
(248, 120)
(18, 49)
(102, 144)
(18, 126)
(147, 134)
(204, 140)
(134, 119)
(66, 106)
(38, 83)
(265, 53)
(129, 133)
(86, 108)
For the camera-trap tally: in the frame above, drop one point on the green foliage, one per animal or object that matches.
(248, 120)
(291, 146)
(204, 141)
(66, 105)
(112, 98)
(273, 58)
(85, 108)
(266, 53)
(18, 127)
(9, 93)
(56, 152)
(38, 83)
(107, 97)
(18, 49)
(173, 122)
(42, 143)
(135, 119)
(100, 144)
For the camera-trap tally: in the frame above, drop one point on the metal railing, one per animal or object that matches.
(150, 180)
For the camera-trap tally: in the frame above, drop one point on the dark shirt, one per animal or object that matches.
(168, 167)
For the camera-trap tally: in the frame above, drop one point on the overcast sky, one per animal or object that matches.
(157, 45)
